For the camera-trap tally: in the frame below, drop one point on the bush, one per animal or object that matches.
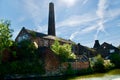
(63, 51)
(115, 59)
(85, 71)
(19, 67)
(69, 70)
(27, 50)
(98, 65)
(108, 65)
(4, 68)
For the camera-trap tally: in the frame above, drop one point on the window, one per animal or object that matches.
(104, 47)
(112, 50)
(23, 37)
(19, 39)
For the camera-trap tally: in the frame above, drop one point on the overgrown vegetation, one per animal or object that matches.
(22, 58)
(25, 61)
(20, 67)
(63, 51)
(17, 58)
(5, 36)
(108, 65)
(69, 70)
(115, 59)
(100, 65)
(27, 50)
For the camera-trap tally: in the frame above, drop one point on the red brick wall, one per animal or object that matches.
(51, 61)
(76, 65)
(80, 65)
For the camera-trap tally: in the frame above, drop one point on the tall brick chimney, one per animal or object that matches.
(51, 20)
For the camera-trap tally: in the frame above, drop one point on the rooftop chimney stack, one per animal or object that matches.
(51, 20)
(97, 44)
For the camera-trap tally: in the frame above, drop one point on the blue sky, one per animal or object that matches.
(82, 21)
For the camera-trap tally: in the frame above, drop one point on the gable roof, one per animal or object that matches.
(34, 33)
(84, 49)
(107, 45)
(30, 32)
(42, 35)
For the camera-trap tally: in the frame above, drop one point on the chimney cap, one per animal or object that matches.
(51, 3)
(96, 40)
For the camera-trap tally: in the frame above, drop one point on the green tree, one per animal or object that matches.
(98, 64)
(27, 50)
(28, 59)
(5, 36)
(115, 59)
(63, 51)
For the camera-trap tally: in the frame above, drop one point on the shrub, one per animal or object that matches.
(85, 71)
(63, 51)
(19, 67)
(98, 65)
(108, 65)
(115, 59)
(69, 70)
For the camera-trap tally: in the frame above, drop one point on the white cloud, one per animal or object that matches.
(36, 11)
(32, 9)
(90, 20)
(73, 35)
(102, 5)
(83, 31)
(77, 20)
(69, 3)
(114, 13)
(89, 29)
(101, 8)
